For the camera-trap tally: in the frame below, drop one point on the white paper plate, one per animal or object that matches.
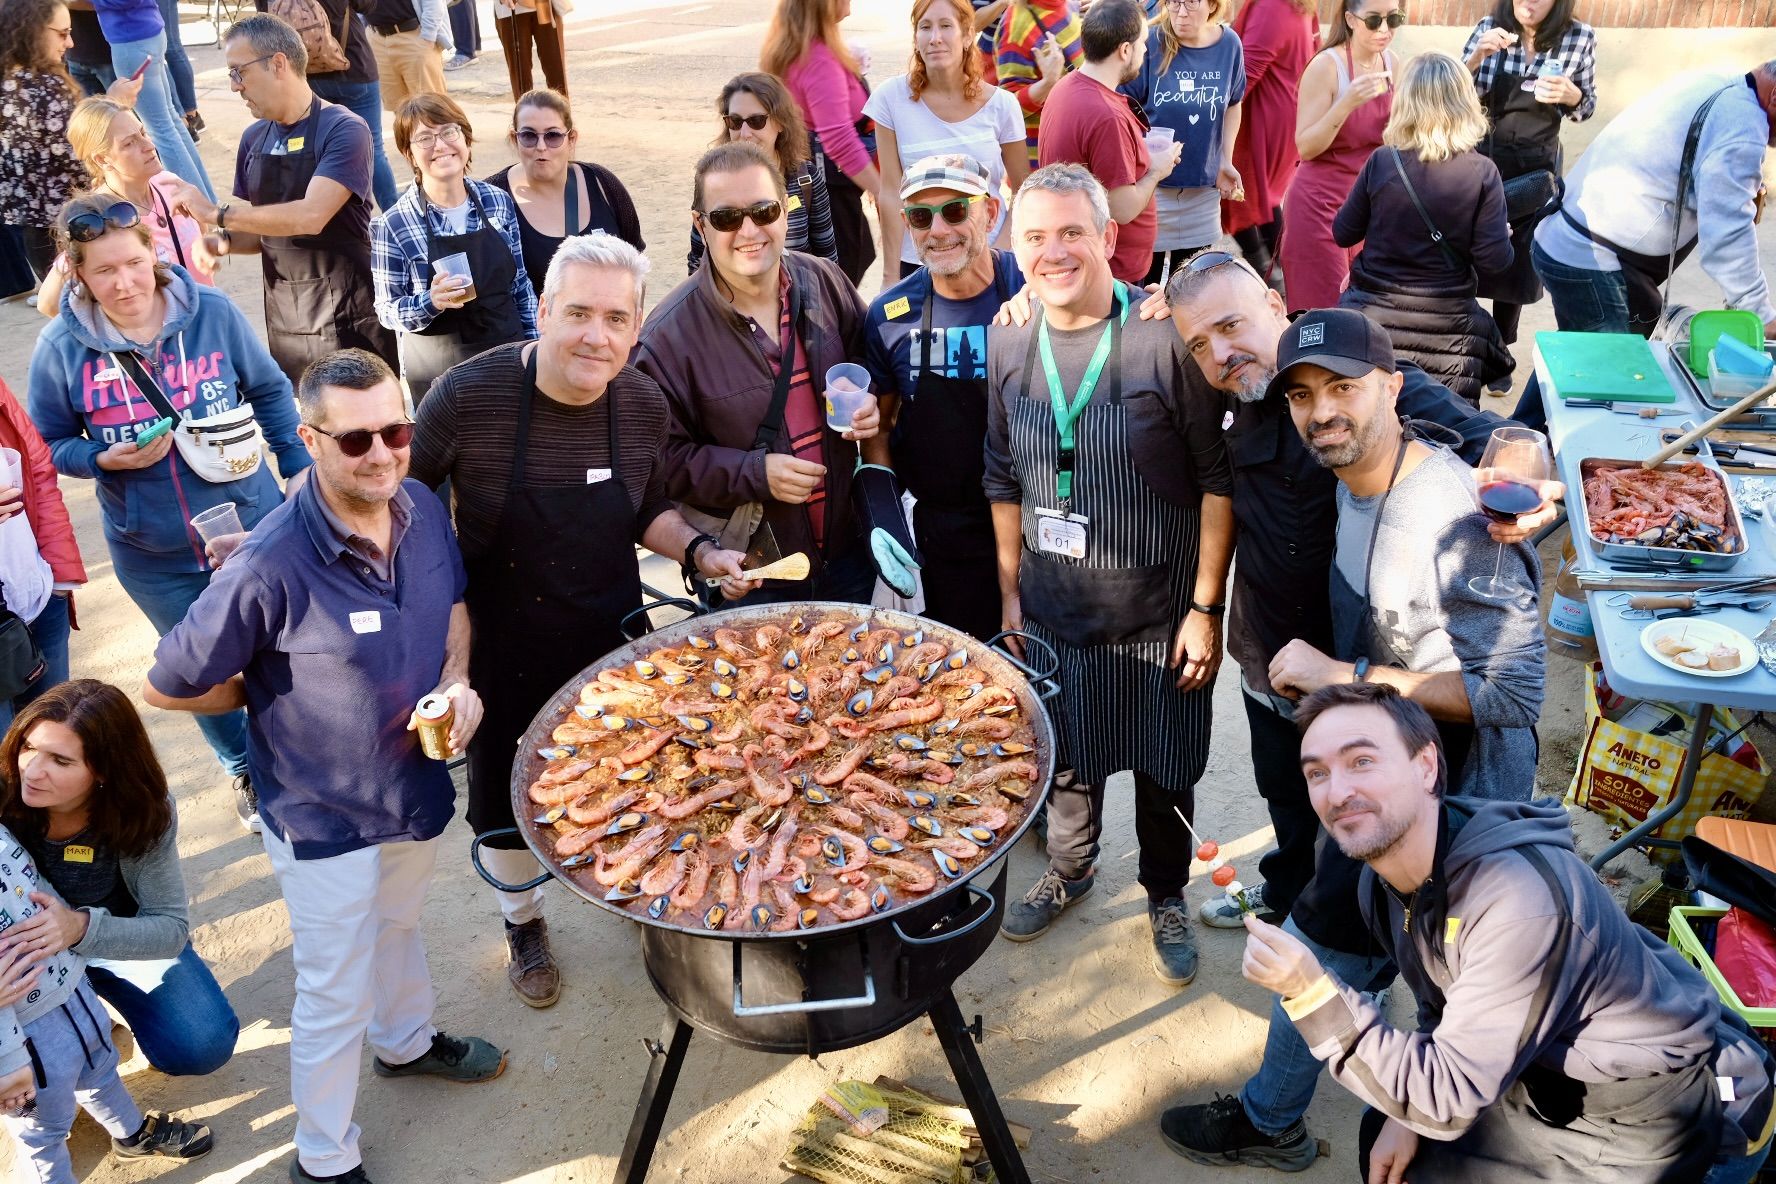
(1706, 634)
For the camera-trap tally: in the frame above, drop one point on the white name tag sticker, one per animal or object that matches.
(1727, 1092)
(594, 476)
(1060, 534)
(369, 621)
(108, 374)
(1186, 84)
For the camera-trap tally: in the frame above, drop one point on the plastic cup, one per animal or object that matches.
(217, 521)
(457, 264)
(1159, 139)
(847, 393)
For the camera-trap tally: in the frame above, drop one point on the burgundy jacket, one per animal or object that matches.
(718, 387)
(43, 499)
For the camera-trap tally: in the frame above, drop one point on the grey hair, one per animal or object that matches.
(1186, 285)
(267, 35)
(1069, 178)
(597, 249)
(351, 369)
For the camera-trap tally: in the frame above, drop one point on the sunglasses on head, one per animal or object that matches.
(87, 226)
(357, 443)
(728, 218)
(954, 211)
(530, 138)
(755, 122)
(1375, 20)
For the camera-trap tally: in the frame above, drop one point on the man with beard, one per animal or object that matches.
(925, 344)
(1102, 476)
(1556, 1039)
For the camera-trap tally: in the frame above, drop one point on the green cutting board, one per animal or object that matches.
(1616, 367)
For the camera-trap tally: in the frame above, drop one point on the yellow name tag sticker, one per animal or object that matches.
(295, 143)
(1451, 927)
(794, 203)
(897, 308)
(77, 854)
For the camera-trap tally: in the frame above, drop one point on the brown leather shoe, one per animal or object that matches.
(532, 967)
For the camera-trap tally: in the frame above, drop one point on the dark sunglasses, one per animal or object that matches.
(530, 138)
(357, 443)
(755, 122)
(84, 228)
(954, 211)
(1374, 20)
(728, 218)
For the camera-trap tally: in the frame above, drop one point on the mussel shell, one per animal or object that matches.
(743, 859)
(691, 661)
(725, 806)
(834, 852)
(557, 752)
(646, 669)
(980, 836)
(861, 702)
(791, 659)
(721, 690)
(957, 659)
(886, 653)
(638, 773)
(974, 748)
(620, 723)
(944, 727)
(879, 674)
(882, 845)
(695, 723)
(804, 884)
(725, 669)
(807, 918)
(880, 899)
(761, 916)
(916, 637)
(1014, 789)
(947, 864)
(798, 690)
(850, 655)
(588, 710)
(1010, 748)
(624, 823)
(688, 740)
(676, 680)
(908, 742)
(580, 860)
(918, 799)
(689, 840)
(962, 800)
(699, 642)
(805, 716)
(627, 890)
(551, 816)
(1001, 709)
(657, 906)
(945, 756)
(816, 794)
(929, 671)
(772, 819)
(858, 631)
(929, 825)
(718, 912)
(798, 624)
(968, 692)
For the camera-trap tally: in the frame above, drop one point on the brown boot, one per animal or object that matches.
(532, 967)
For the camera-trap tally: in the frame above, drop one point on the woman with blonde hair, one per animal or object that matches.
(802, 46)
(1429, 212)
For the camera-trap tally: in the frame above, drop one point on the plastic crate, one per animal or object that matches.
(1691, 929)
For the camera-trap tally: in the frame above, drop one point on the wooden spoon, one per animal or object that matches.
(790, 567)
(1690, 437)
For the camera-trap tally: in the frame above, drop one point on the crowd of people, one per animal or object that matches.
(1136, 444)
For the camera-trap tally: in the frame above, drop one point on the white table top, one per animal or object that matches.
(1578, 433)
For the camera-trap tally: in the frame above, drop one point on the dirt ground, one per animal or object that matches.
(1082, 1042)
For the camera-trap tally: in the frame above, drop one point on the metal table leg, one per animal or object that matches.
(1686, 784)
(977, 1091)
(665, 1060)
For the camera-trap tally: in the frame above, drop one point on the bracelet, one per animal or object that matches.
(690, 559)
(1360, 670)
(1208, 610)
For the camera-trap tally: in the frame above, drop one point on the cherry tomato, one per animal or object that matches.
(1222, 876)
(1208, 851)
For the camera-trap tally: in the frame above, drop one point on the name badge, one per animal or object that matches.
(897, 307)
(77, 854)
(108, 374)
(369, 621)
(794, 203)
(1727, 1092)
(295, 143)
(1186, 84)
(1060, 534)
(594, 476)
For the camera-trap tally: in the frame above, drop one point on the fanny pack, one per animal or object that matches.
(220, 448)
(21, 662)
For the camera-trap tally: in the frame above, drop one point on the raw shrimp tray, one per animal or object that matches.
(1644, 554)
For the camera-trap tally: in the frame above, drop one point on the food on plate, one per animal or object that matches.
(1684, 507)
(1724, 657)
(1694, 659)
(1673, 644)
(794, 774)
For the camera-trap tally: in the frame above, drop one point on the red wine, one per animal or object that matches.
(1504, 500)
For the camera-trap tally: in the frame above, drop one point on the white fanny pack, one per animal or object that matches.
(220, 448)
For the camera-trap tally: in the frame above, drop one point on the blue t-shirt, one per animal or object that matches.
(341, 153)
(958, 329)
(1191, 96)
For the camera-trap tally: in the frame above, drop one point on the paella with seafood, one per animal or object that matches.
(800, 773)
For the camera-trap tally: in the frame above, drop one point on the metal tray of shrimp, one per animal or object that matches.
(1683, 543)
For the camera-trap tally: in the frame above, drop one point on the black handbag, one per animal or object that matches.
(1532, 197)
(21, 662)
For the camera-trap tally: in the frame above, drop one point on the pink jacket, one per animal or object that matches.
(43, 500)
(832, 99)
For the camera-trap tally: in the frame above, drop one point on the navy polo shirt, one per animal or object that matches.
(335, 658)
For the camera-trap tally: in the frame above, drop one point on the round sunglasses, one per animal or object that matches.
(530, 138)
(727, 219)
(1374, 20)
(755, 122)
(954, 211)
(87, 226)
(357, 443)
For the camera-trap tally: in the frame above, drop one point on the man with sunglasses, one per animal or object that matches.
(925, 344)
(742, 349)
(306, 168)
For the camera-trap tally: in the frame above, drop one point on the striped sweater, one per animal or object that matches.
(1025, 25)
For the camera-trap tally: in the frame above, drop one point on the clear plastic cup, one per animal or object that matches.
(457, 264)
(847, 393)
(1159, 139)
(217, 521)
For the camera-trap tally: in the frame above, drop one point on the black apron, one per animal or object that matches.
(945, 425)
(546, 600)
(320, 295)
(491, 318)
(1524, 138)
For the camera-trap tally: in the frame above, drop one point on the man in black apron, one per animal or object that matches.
(925, 345)
(305, 167)
(553, 453)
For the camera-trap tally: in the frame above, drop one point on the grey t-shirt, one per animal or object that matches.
(1422, 616)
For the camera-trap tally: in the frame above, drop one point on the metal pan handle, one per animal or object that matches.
(634, 634)
(1042, 681)
(805, 1006)
(980, 895)
(481, 868)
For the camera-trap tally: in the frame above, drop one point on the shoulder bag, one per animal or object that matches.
(228, 446)
(21, 662)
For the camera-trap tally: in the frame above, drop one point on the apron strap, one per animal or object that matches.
(570, 213)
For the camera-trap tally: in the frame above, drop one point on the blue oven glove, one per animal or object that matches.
(875, 495)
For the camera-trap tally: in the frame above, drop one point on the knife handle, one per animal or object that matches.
(1657, 602)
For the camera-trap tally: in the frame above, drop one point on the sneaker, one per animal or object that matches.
(1174, 946)
(458, 62)
(1046, 899)
(467, 1059)
(1500, 385)
(246, 804)
(164, 1135)
(1223, 912)
(530, 965)
(1219, 1133)
(355, 1176)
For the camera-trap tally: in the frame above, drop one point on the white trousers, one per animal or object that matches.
(360, 969)
(515, 867)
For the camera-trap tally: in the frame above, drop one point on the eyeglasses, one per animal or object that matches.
(1374, 20)
(727, 218)
(1178, 4)
(530, 138)
(755, 122)
(85, 227)
(954, 211)
(357, 443)
(234, 72)
(448, 134)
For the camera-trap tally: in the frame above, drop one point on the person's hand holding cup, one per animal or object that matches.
(850, 408)
(453, 283)
(221, 531)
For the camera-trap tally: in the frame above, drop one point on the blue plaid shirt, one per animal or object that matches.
(1577, 52)
(404, 274)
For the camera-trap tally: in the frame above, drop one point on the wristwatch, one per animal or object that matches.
(690, 559)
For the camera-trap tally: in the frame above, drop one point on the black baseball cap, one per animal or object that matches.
(1341, 340)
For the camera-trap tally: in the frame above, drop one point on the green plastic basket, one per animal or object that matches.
(1688, 924)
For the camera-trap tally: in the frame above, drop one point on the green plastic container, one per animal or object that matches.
(1711, 324)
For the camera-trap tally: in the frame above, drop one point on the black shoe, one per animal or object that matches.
(355, 1176)
(1174, 946)
(246, 804)
(1052, 893)
(164, 1135)
(1219, 1133)
(467, 1059)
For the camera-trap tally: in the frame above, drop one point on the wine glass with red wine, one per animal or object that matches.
(1508, 483)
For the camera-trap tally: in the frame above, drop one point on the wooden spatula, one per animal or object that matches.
(791, 567)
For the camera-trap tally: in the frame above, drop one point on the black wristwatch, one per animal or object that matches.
(1208, 610)
(690, 559)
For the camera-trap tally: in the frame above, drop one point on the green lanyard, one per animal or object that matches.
(1067, 416)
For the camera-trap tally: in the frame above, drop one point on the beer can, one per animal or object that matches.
(436, 713)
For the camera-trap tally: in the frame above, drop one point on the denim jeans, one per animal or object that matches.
(178, 65)
(1277, 1096)
(182, 1021)
(1739, 1170)
(364, 99)
(94, 79)
(164, 597)
(50, 630)
(166, 125)
(1585, 301)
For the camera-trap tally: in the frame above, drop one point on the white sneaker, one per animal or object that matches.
(1223, 912)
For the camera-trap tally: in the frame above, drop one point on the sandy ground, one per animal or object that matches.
(1083, 1043)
